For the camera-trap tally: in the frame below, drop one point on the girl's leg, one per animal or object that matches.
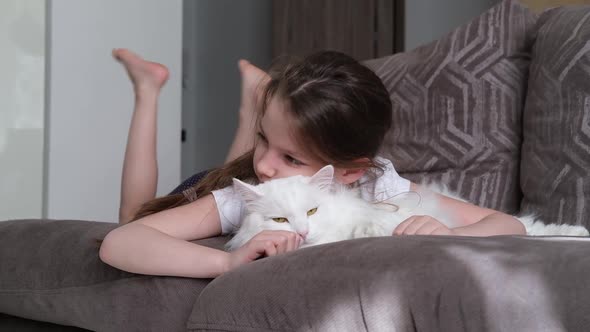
(253, 81)
(140, 167)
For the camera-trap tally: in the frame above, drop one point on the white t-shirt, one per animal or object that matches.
(231, 208)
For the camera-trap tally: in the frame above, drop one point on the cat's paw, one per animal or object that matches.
(368, 230)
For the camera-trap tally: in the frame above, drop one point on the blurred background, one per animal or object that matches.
(66, 105)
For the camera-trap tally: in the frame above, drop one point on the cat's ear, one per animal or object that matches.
(248, 192)
(323, 178)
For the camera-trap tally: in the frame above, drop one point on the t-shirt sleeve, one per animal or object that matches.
(388, 185)
(230, 208)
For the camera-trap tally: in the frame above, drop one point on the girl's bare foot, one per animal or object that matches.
(146, 76)
(253, 83)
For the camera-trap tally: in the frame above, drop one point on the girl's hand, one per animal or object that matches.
(422, 225)
(265, 243)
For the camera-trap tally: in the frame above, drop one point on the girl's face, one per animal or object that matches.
(277, 154)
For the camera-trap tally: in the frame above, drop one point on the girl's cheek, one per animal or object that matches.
(258, 152)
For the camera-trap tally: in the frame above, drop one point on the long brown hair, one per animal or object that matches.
(341, 113)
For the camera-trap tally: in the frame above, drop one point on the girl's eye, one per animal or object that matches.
(280, 220)
(293, 161)
(312, 211)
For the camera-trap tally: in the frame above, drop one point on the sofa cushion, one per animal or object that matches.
(457, 106)
(555, 164)
(51, 271)
(408, 283)
(12, 323)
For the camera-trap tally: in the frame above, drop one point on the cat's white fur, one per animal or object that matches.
(341, 214)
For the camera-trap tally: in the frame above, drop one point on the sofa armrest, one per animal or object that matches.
(51, 272)
(407, 283)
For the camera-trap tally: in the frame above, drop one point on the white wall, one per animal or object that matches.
(90, 100)
(427, 20)
(216, 34)
(22, 65)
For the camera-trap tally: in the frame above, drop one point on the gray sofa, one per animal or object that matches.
(499, 109)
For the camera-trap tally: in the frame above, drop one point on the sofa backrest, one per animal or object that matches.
(555, 166)
(457, 105)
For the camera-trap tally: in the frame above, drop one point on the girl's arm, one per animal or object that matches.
(494, 224)
(478, 221)
(158, 244)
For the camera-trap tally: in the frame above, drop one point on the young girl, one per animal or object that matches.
(325, 109)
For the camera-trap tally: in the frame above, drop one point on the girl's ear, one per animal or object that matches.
(323, 178)
(248, 192)
(348, 176)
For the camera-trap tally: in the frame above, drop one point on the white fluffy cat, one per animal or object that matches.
(325, 212)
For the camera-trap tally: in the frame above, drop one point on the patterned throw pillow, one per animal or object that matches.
(555, 167)
(458, 103)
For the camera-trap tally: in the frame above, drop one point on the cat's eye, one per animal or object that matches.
(312, 211)
(280, 219)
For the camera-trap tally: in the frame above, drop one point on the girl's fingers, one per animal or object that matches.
(290, 238)
(399, 230)
(442, 231)
(270, 249)
(415, 225)
(291, 242)
(284, 241)
(427, 228)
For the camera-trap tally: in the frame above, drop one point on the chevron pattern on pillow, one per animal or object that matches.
(457, 105)
(555, 167)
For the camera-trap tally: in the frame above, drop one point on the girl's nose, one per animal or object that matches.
(265, 167)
